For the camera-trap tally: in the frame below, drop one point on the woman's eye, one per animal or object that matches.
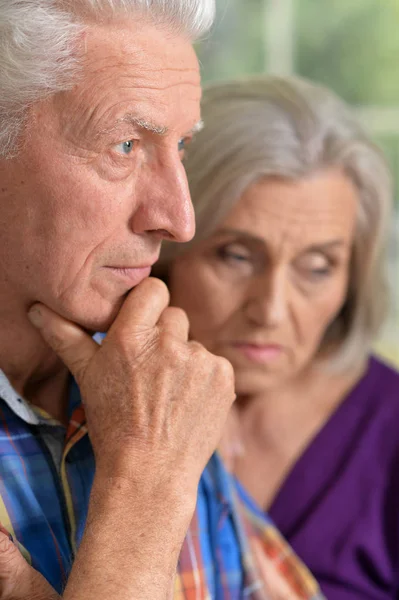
(320, 273)
(316, 267)
(234, 253)
(126, 148)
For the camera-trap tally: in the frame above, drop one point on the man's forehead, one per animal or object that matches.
(153, 52)
(155, 87)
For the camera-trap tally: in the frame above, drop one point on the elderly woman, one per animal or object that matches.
(285, 278)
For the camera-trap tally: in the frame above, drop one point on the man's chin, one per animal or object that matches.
(97, 319)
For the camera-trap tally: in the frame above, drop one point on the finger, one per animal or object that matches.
(18, 581)
(175, 321)
(142, 308)
(73, 345)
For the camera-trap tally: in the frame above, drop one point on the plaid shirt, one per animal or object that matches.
(46, 474)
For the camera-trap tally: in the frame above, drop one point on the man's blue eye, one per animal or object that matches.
(182, 144)
(125, 147)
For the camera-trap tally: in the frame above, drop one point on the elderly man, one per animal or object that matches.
(98, 101)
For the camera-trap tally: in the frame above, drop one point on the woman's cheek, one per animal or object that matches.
(215, 303)
(333, 301)
(324, 312)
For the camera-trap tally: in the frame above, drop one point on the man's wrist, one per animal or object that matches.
(131, 532)
(144, 504)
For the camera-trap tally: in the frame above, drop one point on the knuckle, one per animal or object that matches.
(200, 358)
(225, 367)
(165, 344)
(157, 286)
(176, 313)
(175, 352)
(140, 352)
(225, 370)
(128, 342)
(197, 350)
(180, 312)
(122, 341)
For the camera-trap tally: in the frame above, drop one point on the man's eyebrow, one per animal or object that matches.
(141, 123)
(197, 127)
(136, 122)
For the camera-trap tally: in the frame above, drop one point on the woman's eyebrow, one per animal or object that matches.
(326, 245)
(318, 247)
(240, 233)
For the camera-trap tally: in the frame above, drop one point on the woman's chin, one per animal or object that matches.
(249, 383)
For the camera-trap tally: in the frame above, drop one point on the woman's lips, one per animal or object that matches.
(131, 275)
(258, 353)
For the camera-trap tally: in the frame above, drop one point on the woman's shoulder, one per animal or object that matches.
(383, 367)
(378, 392)
(380, 382)
(370, 415)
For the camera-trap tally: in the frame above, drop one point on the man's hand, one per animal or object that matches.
(155, 403)
(18, 581)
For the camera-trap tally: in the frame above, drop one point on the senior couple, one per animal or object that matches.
(110, 486)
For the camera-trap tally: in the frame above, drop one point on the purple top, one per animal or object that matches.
(339, 506)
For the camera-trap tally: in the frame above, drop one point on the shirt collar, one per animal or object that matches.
(218, 481)
(24, 409)
(18, 405)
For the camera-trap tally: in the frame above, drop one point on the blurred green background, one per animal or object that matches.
(352, 46)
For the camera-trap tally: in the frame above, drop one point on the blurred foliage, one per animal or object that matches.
(352, 46)
(236, 44)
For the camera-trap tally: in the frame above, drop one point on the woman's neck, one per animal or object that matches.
(312, 395)
(277, 425)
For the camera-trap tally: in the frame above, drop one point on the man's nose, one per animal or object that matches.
(164, 203)
(267, 303)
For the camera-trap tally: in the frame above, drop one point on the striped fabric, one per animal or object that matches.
(231, 551)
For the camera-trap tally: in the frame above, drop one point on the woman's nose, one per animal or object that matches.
(267, 302)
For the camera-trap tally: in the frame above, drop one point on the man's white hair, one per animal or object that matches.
(39, 46)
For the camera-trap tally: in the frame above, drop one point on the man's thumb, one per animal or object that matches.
(73, 345)
(18, 581)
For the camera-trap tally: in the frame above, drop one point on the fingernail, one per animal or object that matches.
(35, 316)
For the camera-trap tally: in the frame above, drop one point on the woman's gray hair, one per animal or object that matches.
(39, 39)
(290, 128)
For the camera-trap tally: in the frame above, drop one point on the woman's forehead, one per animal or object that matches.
(320, 206)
